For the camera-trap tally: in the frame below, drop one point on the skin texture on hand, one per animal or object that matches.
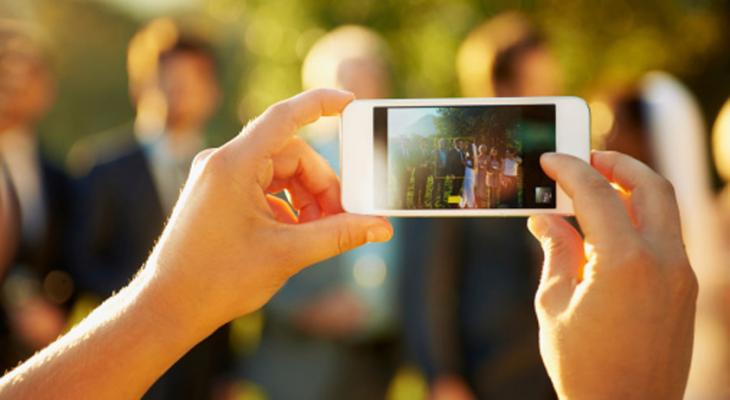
(232, 244)
(227, 248)
(615, 306)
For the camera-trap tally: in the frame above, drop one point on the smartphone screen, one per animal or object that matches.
(463, 157)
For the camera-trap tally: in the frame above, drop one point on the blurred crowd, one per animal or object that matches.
(444, 311)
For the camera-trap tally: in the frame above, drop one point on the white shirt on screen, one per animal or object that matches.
(510, 166)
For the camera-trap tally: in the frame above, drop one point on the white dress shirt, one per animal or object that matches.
(20, 150)
(170, 159)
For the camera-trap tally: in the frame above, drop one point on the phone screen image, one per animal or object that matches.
(463, 157)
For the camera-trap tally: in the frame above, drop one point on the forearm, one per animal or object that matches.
(116, 352)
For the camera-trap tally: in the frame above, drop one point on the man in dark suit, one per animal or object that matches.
(468, 310)
(456, 165)
(36, 307)
(440, 171)
(126, 196)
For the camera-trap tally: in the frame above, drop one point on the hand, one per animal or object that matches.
(230, 244)
(616, 306)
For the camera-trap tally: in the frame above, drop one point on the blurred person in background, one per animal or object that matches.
(423, 159)
(721, 152)
(658, 121)
(468, 306)
(492, 176)
(37, 289)
(9, 223)
(456, 165)
(481, 189)
(468, 199)
(510, 177)
(329, 332)
(9, 234)
(440, 171)
(126, 196)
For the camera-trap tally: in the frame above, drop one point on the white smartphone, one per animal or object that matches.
(464, 157)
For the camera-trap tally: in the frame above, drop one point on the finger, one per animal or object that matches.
(304, 202)
(626, 200)
(652, 196)
(199, 160)
(327, 237)
(598, 207)
(307, 176)
(281, 210)
(564, 259)
(271, 130)
(202, 156)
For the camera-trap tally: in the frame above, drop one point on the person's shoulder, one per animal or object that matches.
(108, 150)
(50, 168)
(122, 160)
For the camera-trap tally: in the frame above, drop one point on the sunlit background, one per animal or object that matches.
(262, 45)
(104, 52)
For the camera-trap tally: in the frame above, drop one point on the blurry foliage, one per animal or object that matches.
(263, 42)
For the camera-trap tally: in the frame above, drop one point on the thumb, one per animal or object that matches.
(564, 258)
(327, 237)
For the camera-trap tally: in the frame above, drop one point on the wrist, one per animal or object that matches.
(173, 304)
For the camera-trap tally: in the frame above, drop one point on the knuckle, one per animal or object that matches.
(202, 156)
(540, 300)
(543, 300)
(298, 144)
(612, 157)
(637, 254)
(637, 263)
(665, 187)
(213, 163)
(282, 112)
(597, 185)
(547, 295)
(347, 239)
(684, 282)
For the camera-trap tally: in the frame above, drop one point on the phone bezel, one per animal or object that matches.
(572, 131)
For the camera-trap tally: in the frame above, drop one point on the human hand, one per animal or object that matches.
(230, 244)
(615, 307)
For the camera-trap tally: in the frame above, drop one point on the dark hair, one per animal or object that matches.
(631, 109)
(507, 59)
(631, 126)
(189, 45)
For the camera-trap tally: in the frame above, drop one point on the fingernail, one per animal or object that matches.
(378, 234)
(548, 156)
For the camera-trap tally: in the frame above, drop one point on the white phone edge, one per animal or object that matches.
(572, 120)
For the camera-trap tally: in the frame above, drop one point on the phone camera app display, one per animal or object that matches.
(464, 157)
(543, 195)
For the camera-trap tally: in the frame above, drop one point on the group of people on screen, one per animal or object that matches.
(461, 172)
